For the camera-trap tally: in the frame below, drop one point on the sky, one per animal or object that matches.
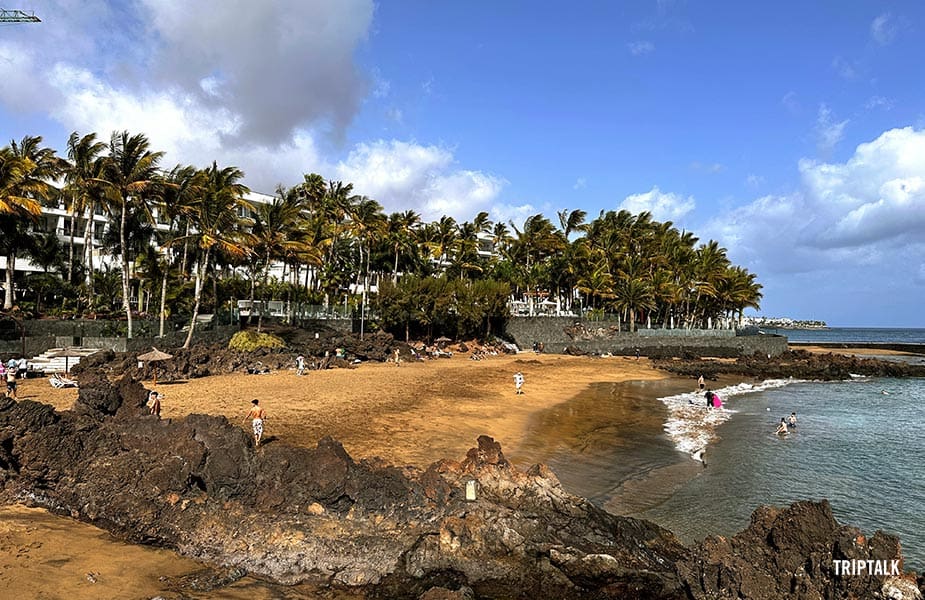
(791, 132)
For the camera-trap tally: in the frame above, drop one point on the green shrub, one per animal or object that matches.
(248, 341)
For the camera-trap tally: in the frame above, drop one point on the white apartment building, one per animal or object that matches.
(57, 219)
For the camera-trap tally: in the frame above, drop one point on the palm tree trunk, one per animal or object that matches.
(126, 304)
(10, 269)
(70, 249)
(163, 311)
(88, 248)
(250, 310)
(185, 246)
(266, 277)
(200, 273)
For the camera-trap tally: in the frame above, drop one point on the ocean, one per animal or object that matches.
(857, 443)
(697, 472)
(853, 334)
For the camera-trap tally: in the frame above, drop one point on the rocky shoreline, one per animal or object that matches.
(798, 364)
(291, 514)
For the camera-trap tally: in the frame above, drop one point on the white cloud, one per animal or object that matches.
(259, 72)
(664, 206)
(883, 29)
(405, 175)
(829, 131)
(254, 85)
(580, 184)
(866, 212)
(513, 213)
(640, 47)
(790, 102)
(711, 168)
(753, 180)
(879, 102)
(845, 69)
(395, 115)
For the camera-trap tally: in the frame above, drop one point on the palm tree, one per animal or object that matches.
(217, 224)
(276, 234)
(130, 175)
(400, 233)
(571, 221)
(179, 192)
(367, 222)
(25, 172)
(631, 295)
(82, 189)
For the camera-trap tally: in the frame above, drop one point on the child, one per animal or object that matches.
(300, 365)
(154, 403)
(257, 414)
(519, 382)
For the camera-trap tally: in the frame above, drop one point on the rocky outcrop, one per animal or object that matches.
(792, 553)
(298, 514)
(799, 364)
(203, 360)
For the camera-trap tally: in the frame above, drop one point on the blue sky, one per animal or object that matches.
(791, 132)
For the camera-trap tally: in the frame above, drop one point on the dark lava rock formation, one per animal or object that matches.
(315, 514)
(799, 364)
(203, 360)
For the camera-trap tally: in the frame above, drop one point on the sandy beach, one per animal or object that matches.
(409, 415)
(413, 414)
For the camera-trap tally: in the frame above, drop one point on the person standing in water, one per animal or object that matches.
(257, 416)
(782, 428)
(792, 420)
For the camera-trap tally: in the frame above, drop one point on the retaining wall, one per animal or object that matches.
(602, 337)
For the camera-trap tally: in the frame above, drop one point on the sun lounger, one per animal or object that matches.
(59, 381)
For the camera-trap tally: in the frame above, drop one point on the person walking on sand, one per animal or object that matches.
(397, 357)
(257, 416)
(11, 383)
(300, 364)
(22, 368)
(701, 383)
(519, 382)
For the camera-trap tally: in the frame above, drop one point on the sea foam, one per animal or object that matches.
(692, 426)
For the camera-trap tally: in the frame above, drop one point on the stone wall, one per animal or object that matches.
(37, 344)
(601, 337)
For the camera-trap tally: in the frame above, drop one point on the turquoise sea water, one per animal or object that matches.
(858, 443)
(853, 334)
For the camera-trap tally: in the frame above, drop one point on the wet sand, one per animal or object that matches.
(414, 414)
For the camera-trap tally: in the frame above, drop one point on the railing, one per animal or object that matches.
(296, 310)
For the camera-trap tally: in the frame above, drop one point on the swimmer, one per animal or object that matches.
(782, 428)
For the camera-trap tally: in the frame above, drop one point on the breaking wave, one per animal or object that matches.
(692, 426)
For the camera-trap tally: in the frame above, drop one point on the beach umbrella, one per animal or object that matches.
(442, 340)
(154, 356)
(66, 353)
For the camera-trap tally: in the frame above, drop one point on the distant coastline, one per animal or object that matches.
(784, 323)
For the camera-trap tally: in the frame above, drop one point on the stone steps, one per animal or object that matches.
(47, 363)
